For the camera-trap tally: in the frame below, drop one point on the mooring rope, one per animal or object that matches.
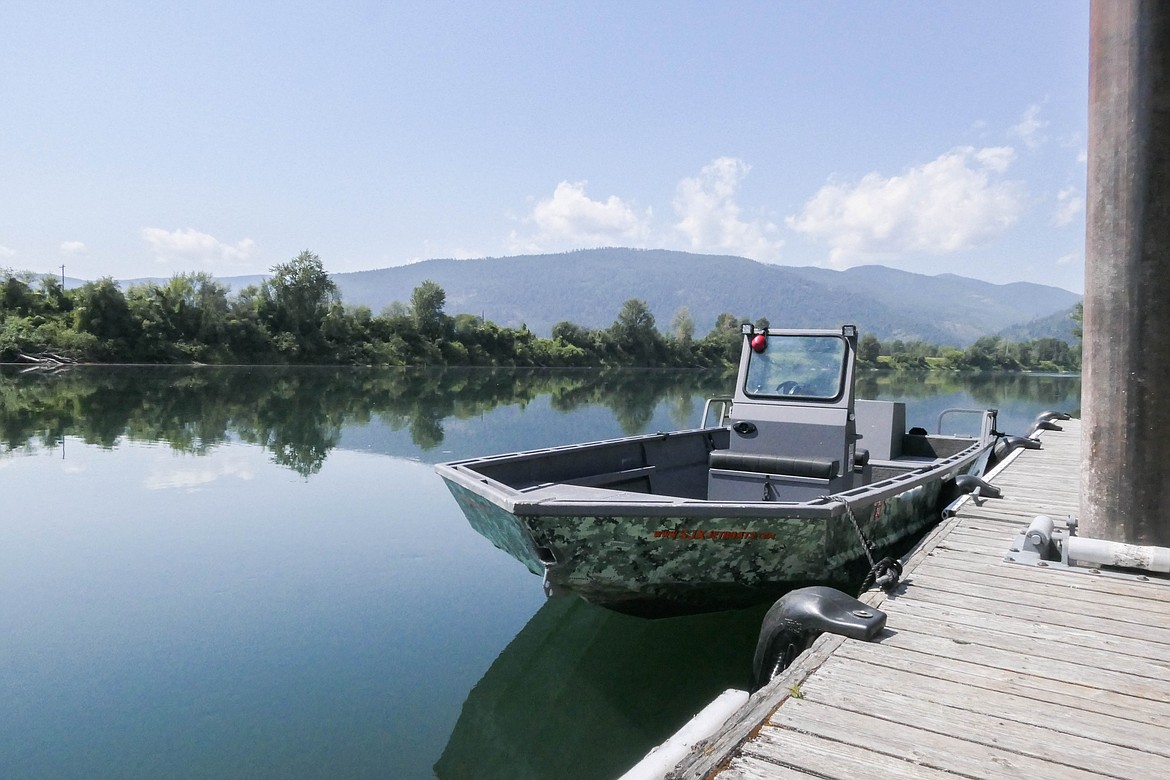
(886, 572)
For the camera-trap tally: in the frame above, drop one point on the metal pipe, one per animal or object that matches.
(1130, 556)
(1039, 533)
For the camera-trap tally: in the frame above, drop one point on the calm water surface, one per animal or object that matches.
(256, 573)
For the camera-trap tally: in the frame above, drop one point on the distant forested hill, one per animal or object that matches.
(1056, 326)
(588, 288)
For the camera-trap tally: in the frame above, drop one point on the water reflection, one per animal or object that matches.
(984, 389)
(299, 415)
(578, 676)
(216, 616)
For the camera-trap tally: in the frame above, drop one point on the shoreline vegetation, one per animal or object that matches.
(297, 317)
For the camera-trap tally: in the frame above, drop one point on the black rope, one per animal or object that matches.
(884, 575)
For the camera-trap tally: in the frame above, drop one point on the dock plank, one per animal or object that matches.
(902, 689)
(833, 760)
(1043, 586)
(987, 639)
(988, 588)
(1045, 612)
(1070, 579)
(1073, 696)
(986, 668)
(1051, 635)
(1140, 686)
(1003, 724)
(895, 739)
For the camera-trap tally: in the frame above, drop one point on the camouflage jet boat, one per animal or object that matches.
(791, 483)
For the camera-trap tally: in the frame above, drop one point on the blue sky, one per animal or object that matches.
(145, 138)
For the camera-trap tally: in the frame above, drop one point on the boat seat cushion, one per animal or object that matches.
(814, 468)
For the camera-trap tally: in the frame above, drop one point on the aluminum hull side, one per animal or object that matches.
(639, 556)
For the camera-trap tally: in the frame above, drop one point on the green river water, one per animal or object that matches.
(255, 573)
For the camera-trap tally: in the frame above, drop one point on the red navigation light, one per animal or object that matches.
(759, 342)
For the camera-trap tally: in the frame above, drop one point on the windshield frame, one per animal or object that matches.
(798, 367)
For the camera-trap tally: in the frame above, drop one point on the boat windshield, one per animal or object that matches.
(807, 367)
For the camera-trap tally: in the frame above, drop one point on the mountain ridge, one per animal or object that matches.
(588, 287)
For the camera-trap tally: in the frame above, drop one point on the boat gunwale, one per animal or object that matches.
(617, 503)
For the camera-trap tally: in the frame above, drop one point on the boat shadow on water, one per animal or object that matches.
(584, 692)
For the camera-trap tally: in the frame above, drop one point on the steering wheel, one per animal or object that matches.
(789, 388)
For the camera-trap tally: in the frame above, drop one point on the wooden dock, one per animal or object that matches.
(986, 669)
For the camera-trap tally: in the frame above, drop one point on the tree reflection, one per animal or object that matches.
(297, 414)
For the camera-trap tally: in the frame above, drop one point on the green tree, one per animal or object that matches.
(101, 310)
(426, 308)
(16, 296)
(571, 333)
(294, 301)
(682, 327)
(635, 334)
(722, 345)
(868, 349)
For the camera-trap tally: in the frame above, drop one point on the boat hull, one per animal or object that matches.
(777, 494)
(662, 564)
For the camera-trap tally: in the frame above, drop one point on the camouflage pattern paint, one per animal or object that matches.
(675, 565)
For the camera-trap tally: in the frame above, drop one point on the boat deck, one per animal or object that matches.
(986, 668)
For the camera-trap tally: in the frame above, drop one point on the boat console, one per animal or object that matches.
(796, 430)
(793, 422)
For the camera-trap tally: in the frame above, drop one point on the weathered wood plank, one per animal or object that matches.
(1001, 522)
(1094, 636)
(1142, 687)
(752, 768)
(708, 755)
(867, 678)
(974, 546)
(898, 740)
(1081, 581)
(1157, 669)
(977, 721)
(1057, 597)
(986, 669)
(825, 758)
(991, 542)
(1035, 612)
(1076, 698)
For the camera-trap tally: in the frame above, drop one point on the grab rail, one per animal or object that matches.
(987, 426)
(724, 402)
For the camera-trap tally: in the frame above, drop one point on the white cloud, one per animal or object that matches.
(192, 246)
(73, 247)
(1070, 203)
(995, 158)
(570, 219)
(709, 216)
(192, 479)
(6, 252)
(1030, 128)
(1069, 259)
(950, 204)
